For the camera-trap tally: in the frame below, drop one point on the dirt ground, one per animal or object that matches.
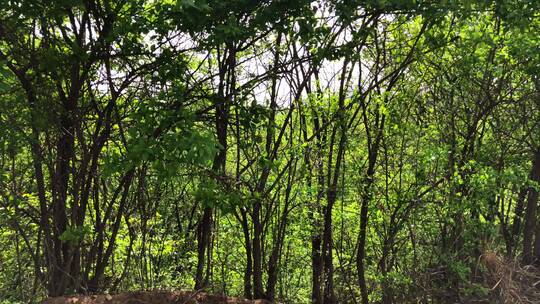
(152, 297)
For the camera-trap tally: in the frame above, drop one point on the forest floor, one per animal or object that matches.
(152, 297)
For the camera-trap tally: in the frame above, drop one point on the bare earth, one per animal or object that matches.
(152, 297)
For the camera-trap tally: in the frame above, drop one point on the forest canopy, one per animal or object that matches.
(331, 151)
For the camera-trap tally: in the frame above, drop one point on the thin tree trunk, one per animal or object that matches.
(516, 225)
(361, 254)
(328, 246)
(279, 240)
(530, 214)
(258, 291)
(202, 242)
(373, 150)
(222, 108)
(248, 273)
(533, 197)
(316, 268)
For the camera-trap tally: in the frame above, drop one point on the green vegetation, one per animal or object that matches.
(333, 151)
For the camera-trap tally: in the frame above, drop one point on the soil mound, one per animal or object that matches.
(152, 297)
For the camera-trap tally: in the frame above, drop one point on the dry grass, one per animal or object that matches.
(510, 282)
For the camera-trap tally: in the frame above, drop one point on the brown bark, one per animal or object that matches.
(222, 109)
(373, 150)
(361, 254)
(516, 225)
(248, 273)
(258, 291)
(279, 240)
(316, 268)
(530, 224)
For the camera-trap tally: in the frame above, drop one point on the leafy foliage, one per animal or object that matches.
(298, 151)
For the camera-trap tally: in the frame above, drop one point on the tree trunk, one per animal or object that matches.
(361, 254)
(316, 268)
(222, 108)
(530, 213)
(328, 246)
(258, 291)
(248, 273)
(516, 225)
(203, 236)
(278, 242)
(533, 197)
(373, 150)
